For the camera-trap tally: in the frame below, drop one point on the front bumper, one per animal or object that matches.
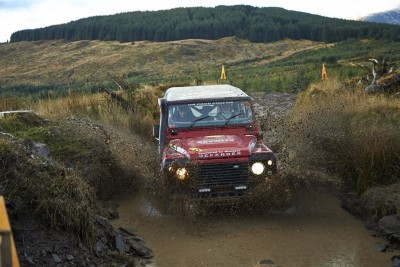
(216, 179)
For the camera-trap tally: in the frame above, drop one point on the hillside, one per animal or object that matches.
(255, 24)
(389, 17)
(46, 68)
(54, 64)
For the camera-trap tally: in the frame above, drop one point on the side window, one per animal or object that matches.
(246, 109)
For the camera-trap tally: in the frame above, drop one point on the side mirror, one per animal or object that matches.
(156, 131)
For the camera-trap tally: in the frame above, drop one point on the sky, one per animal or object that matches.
(18, 15)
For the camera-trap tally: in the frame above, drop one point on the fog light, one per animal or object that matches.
(257, 168)
(181, 173)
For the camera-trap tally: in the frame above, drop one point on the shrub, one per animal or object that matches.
(382, 200)
(346, 132)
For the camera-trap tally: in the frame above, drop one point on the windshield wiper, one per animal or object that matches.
(193, 122)
(233, 116)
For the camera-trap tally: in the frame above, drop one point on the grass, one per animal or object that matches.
(382, 200)
(342, 130)
(50, 191)
(140, 115)
(65, 192)
(55, 68)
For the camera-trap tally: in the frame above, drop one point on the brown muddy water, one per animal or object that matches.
(315, 231)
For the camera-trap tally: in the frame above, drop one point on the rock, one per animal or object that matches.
(70, 257)
(129, 231)
(390, 224)
(140, 248)
(267, 262)
(29, 259)
(56, 258)
(120, 244)
(381, 247)
(41, 150)
(44, 252)
(101, 221)
(396, 261)
(113, 213)
(99, 249)
(372, 233)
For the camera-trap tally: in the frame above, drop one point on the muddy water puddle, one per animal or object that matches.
(315, 231)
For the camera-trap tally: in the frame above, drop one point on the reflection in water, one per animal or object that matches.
(314, 232)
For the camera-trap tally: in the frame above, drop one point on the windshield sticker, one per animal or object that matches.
(216, 141)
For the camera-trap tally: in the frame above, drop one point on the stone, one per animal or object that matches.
(266, 262)
(29, 259)
(381, 247)
(70, 257)
(114, 214)
(140, 248)
(56, 258)
(99, 249)
(41, 150)
(129, 231)
(44, 252)
(372, 233)
(396, 261)
(390, 224)
(120, 244)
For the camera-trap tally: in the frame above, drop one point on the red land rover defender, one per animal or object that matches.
(210, 143)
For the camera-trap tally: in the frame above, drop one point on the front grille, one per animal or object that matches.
(222, 174)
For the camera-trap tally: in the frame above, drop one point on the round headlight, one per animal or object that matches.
(257, 168)
(270, 162)
(181, 173)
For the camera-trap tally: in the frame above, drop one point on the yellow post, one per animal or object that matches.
(223, 74)
(323, 75)
(8, 253)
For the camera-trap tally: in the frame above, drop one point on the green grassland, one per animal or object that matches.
(56, 67)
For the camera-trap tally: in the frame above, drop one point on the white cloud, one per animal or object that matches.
(27, 14)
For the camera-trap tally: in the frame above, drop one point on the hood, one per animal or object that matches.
(215, 146)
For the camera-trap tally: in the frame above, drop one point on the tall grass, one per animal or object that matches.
(342, 130)
(141, 113)
(50, 191)
(16, 103)
(66, 197)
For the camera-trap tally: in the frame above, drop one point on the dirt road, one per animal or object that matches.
(314, 231)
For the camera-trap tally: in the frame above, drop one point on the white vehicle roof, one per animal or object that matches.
(204, 92)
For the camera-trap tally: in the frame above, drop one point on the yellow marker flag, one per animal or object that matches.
(223, 74)
(323, 75)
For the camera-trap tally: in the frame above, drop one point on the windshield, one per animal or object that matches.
(210, 114)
